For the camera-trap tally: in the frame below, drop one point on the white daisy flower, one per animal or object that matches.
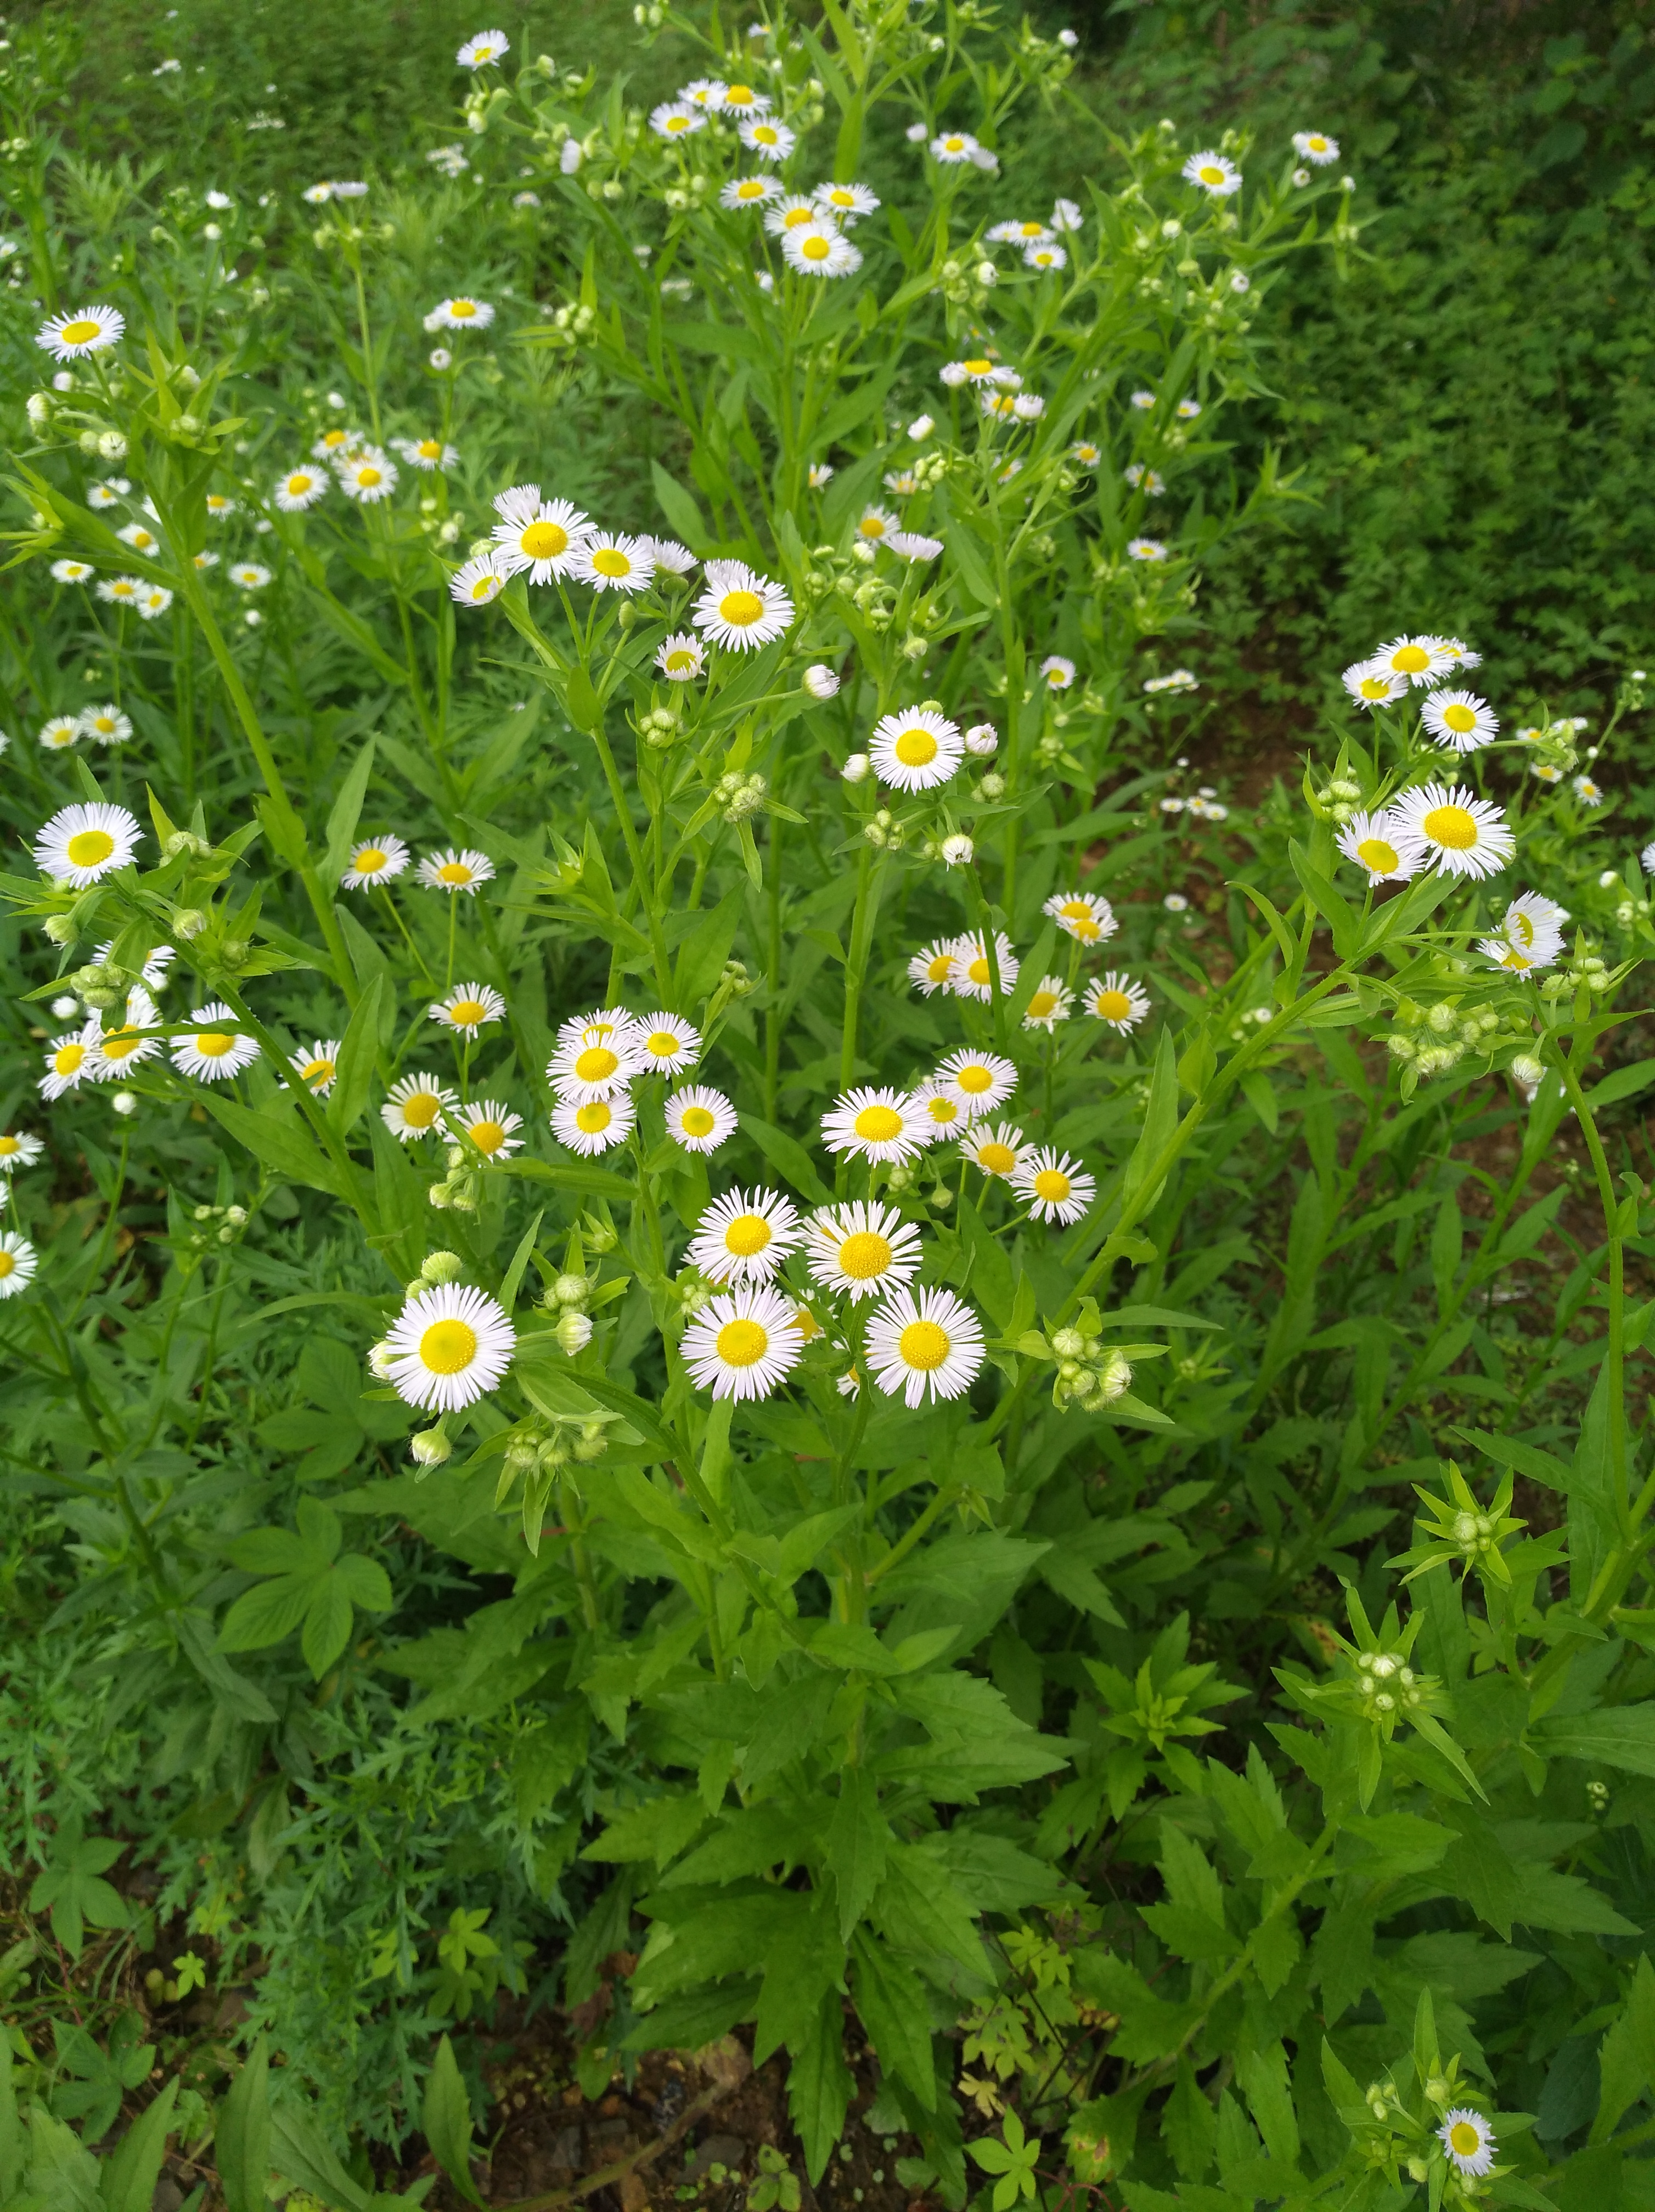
(152, 601)
(81, 843)
(924, 1344)
(744, 1237)
(940, 1110)
(1057, 672)
(743, 1344)
(374, 860)
(739, 608)
(876, 1124)
(903, 482)
(1188, 409)
(319, 1068)
(83, 330)
(1315, 146)
(459, 314)
(978, 370)
(607, 1025)
(972, 978)
(368, 477)
(1144, 548)
(1383, 847)
(1052, 1003)
(1086, 454)
(951, 147)
(1144, 479)
(249, 575)
(668, 554)
(1216, 174)
(536, 535)
(677, 118)
(72, 572)
(18, 1149)
(1054, 1185)
(455, 870)
(997, 1151)
(596, 1065)
(1461, 656)
(665, 1044)
(335, 445)
(1646, 859)
(215, 1049)
(819, 250)
(121, 591)
(1040, 256)
(448, 1347)
(795, 212)
(415, 1106)
(299, 488)
(864, 1250)
(488, 1125)
(117, 1050)
(1469, 2140)
(749, 191)
(69, 1061)
(1463, 834)
(1588, 793)
(479, 580)
(426, 453)
(105, 726)
(770, 140)
(877, 523)
(1547, 772)
(467, 1007)
(1066, 215)
(742, 99)
(1082, 916)
(981, 1081)
(140, 539)
(1460, 721)
(936, 967)
(1020, 233)
(611, 560)
(847, 203)
(998, 406)
(1116, 1000)
(916, 750)
(58, 732)
(913, 545)
(1374, 683)
(1515, 958)
(700, 1119)
(18, 1261)
(483, 50)
(682, 657)
(1533, 922)
(705, 92)
(588, 1125)
(1417, 660)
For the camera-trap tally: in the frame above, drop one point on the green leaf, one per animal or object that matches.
(856, 1839)
(1160, 1120)
(1615, 1735)
(327, 1622)
(446, 2117)
(265, 1614)
(788, 1157)
(354, 1081)
(278, 1139)
(679, 508)
(345, 813)
(241, 2138)
(891, 2003)
(131, 2170)
(819, 2086)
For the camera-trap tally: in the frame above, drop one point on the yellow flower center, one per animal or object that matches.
(871, 526)
(1465, 2139)
(447, 1347)
(67, 1058)
(996, 1158)
(865, 1256)
(839, 197)
(878, 1125)
(213, 1044)
(1051, 1183)
(332, 438)
(487, 1136)
(939, 968)
(466, 1013)
(678, 123)
(954, 144)
(368, 476)
(429, 449)
(313, 1071)
(122, 591)
(978, 367)
(1375, 855)
(422, 1109)
(1317, 144)
(740, 609)
(1211, 173)
(486, 586)
(1459, 718)
(370, 860)
(7, 1261)
(764, 133)
(543, 541)
(1521, 928)
(1411, 660)
(88, 846)
(916, 748)
(81, 331)
(743, 1343)
(1375, 687)
(596, 1064)
(816, 247)
(1113, 1005)
(453, 871)
(978, 970)
(299, 485)
(1043, 1004)
(747, 1234)
(680, 659)
(1451, 826)
(119, 1043)
(923, 1345)
(798, 218)
(663, 1044)
(594, 1117)
(8, 1146)
(976, 1078)
(1080, 919)
(697, 1121)
(737, 96)
(750, 188)
(609, 561)
(942, 1111)
(462, 310)
(1057, 677)
(103, 723)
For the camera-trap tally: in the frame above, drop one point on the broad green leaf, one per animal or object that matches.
(446, 2117)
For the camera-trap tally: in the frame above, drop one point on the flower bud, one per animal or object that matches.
(958, 850)
(920, 427)
(188, 921)
(1068, 1343)
(430, 1448)
(379, 1359)
(125, 1103)
(443, 1268)
(573, 1332)
(571, 1290)
(821, 681)
(1527, 1069)
(40, 409)
(184, 840)
(236, 1216)
(986, 273)
(856, 767)
(60, 929)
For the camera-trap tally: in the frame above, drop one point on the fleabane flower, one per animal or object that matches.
(69, 1060)
(1587, 791)
(449, 1346)
(1418, 660)
(152, 601)
(820, 249)
(979, 369)
(140, 538)
(1019, 233)
(368, 477)
(682, 657)
(935, 968)
(1374, 683)
(1082, 916)
(1041, 255)
(741, 99)
(459, 314)
(82, 843)
(467, 1007)
(426, 453)
(299, 488)
(1117, 1000)
(214, 1049)
(1087, 455)
(1532, 931)
(416, 1105)
(973, 978)
(455, 870)
(700, 1119)
(846, 203)
(611, 560)
(916, 750)
(1315, 146)
(596, 1063)
(374, 860)
(739, 608)
(1145, 548)
(72, 572)
(1215, 174)
(743, 1236)
(121, 591)
(770, 140)
(706, 92)
(1056, 672)
(1049, 1004)
(876, 1123)
(18, 1149)
(249, 575)
(876, 523)
(998, 1151)
(116, 1051)
(1461, 833)
(952, 147)
(1469, 2140)
(81, 331)
(749, 192)
(537, 537)
(1383, 848)
(1054, 1186)
(862, 1249)
(981, 1081)
(795, 212)
(18, 1261)
(677, 118)
(479, 580)
(318, 1067)
(924, 1344)
(588, 1125)
(744, 1344)
(913, 545)
(487, 1124)
(58, 732)
(482, 49)
(665, 1044)
(669, 556)
(940, 1110)
(1460, 721)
